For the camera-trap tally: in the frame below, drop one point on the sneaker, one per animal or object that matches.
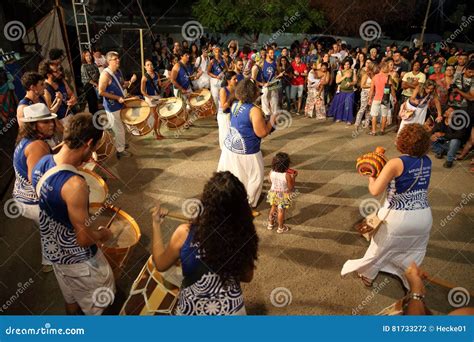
(448, 164)
(270, 226)
(123, 154)
(283, 229)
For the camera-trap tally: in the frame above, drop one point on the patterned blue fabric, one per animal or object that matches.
(114, 88)
(183, 76)
(58, 237)
(28, 102)
(217, 67)
(208, 295)
(269, 71)
(23, 189)
(417, 197)
(241, 138)
(227, 93)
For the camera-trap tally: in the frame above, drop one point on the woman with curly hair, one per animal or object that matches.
(406, 214)
(217, 250)
(241, 154)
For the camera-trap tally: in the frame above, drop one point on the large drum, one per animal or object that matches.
(105, 147)
(126, 235)
(173, 113)
(203, 104)
(135, 116)
(98, 189)
(153, 293)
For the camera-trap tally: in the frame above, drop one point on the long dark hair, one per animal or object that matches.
(227, 77)
(29, 130)
(225, 230)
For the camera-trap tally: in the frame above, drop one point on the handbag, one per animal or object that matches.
(370, 225)
(386, 92)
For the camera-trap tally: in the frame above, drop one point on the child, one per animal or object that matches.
(283, 183)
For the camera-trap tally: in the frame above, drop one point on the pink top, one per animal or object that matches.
(379, 81)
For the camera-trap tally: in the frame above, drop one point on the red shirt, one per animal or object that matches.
(298, 80)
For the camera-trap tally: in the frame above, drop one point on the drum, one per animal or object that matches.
(126, 235)
(152, 293)
(203, 104)
(173, 113)
(273, 85)
(135, 116)
(98, 189)
(105, 147)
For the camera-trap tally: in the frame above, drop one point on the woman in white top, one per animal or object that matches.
(226, 98)
(317, 79)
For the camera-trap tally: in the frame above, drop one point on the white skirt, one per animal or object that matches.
(397, 243)
(223, 122)
(248, 168)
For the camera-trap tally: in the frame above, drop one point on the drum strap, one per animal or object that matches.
(195, 276)
(52, 171)
(181, 65)
(148, 77)
(116, 80)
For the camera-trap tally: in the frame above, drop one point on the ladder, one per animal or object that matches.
(82, 25)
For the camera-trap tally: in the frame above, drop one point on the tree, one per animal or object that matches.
(250, 18)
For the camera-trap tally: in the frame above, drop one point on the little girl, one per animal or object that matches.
(283, 183)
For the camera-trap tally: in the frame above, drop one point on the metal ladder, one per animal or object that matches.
(82, 25)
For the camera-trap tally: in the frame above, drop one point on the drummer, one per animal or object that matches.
(269, 75)
(84, 275)
(215, 70)
(151, 91)
(110, 88)
(182, 75)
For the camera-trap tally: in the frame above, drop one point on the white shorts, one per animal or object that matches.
(90, 284)
(378, 107)
(298, 89)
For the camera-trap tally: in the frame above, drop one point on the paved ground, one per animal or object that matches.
(301, 267)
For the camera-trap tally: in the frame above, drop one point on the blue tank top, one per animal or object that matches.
(241, 138)
(28, 102)
(115, 89)
(23, 190)
(189, 254)
(183, 76)
(150, 90)
(61, 112)
(240, 77)
(417, 197)
(269, 71)
(58, 237)
(217, 67)
(227, 93)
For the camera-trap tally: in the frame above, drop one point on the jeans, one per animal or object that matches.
(450, 146)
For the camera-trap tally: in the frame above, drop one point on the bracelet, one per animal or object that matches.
(417, 296)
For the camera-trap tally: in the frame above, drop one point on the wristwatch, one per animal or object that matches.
(417, 296)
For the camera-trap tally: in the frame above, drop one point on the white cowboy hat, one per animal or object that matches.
(37, 112)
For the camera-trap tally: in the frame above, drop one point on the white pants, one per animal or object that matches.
(32, 212)
(248, 168)
(269, 101)
(201, 82)
(215, 87)
(223, 122)
(115, 122)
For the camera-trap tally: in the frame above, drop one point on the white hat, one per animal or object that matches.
(37, 112)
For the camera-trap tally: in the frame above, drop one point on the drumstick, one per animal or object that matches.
(175, 215)
(442, 283)
(112, 219)
(57, 147)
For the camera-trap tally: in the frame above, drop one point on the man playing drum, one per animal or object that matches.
(269, 93)
(110, 88)
(84, 275)
(215, 70)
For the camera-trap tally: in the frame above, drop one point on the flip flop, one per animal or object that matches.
(283, 229)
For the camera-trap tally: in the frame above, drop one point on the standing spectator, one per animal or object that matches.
(401, 66)
(202, 61)
(342, 106)
(411, 80)
(286, 70)
(461, 64)
(90, 80)
(99, 60)
(374, 56)
(381, 85)
(317, 78)
(365, 84)
(297, 83)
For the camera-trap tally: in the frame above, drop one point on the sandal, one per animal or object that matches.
(270, 226)
(283, 229)
(382, 133)
(367, 282)
(372, 133)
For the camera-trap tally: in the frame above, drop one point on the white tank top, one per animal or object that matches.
(278, 181)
